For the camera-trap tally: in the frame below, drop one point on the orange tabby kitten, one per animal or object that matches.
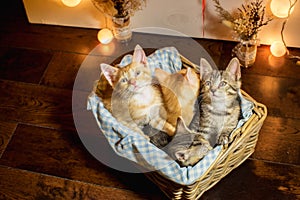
(135, 100)
(180, 91)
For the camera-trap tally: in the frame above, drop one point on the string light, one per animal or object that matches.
(277, 47)
(105, 36)
(281, 8)
(71, 3)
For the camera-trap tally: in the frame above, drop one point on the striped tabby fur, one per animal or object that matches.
(219, 101)
(187, 147)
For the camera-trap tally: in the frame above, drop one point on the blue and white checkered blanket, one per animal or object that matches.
(133, 146)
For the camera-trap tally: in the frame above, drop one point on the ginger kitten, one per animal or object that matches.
(180, 91)
(136, 100)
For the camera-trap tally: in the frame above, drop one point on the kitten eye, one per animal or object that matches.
(137, 73)
(124, 80)
(222, 84)
(207, 83)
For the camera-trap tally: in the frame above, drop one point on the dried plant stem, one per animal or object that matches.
(248, 19)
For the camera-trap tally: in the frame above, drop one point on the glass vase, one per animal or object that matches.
(122, 28)
(246, 51)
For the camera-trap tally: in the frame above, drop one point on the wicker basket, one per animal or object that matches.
(241, 146)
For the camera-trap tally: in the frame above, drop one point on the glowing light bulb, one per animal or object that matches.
(280, 8)
(105, 36)
(278, 49)
(71, 3)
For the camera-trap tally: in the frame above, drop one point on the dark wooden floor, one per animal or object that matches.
(42, 156)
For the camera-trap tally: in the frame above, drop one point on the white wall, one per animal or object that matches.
(181, 15)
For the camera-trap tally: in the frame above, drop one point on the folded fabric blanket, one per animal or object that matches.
(133, 146)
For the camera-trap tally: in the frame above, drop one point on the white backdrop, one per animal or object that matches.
(184, 16)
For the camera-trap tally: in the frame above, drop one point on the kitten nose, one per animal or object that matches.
(213, 91)
(132, 81)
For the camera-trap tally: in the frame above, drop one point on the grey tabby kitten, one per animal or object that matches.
(159, 138)
(219, 103)
(187, 147)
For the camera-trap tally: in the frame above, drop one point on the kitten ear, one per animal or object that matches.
(160, 74)
(182, 155)
(234, 68)
(205, 67)
(190, 76)
(139, 55)
(180, 126)
(109, 72)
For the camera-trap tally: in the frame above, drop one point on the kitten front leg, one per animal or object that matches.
(161, 124)
(223, 139)
(224, 135)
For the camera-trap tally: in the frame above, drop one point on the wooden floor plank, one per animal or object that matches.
(62, 70)
(20, 184)
(280, 95)
(279, 141)
(23, 65)
(62, 154)
(6, 131)
(56, 153)
(39, 105)
(65, 68)
(258, 180)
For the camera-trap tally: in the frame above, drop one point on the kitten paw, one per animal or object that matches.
(206, 144)
(223, 139)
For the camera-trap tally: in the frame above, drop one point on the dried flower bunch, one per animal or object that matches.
(119, 8)
(246, 21)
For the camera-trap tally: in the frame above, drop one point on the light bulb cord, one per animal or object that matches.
(290, 56)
